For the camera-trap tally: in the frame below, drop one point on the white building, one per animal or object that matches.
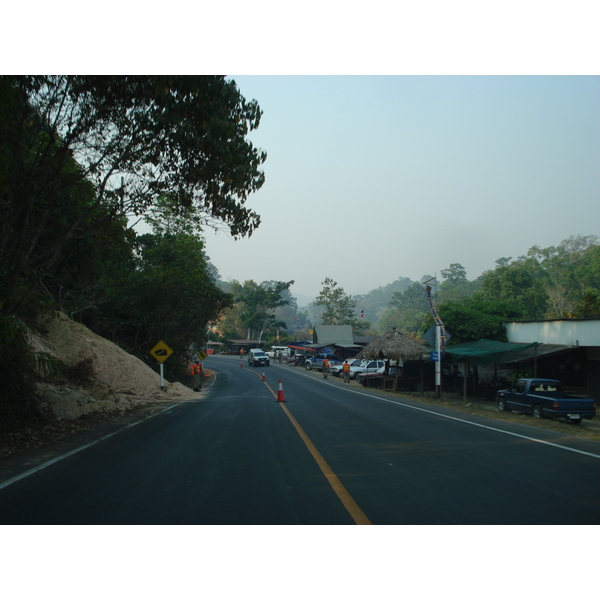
(579, 359)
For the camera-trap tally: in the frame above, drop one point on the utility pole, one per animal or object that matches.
(440, 340)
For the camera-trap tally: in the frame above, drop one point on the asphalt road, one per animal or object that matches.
(330, 454)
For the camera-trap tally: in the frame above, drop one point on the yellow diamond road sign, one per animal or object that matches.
(161, 352)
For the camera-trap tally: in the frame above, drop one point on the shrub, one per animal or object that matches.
(18, 403)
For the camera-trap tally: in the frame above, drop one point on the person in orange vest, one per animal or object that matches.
(325, 368)
(197, 375)
(346, 370)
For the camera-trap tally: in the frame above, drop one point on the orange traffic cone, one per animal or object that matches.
(263, 376)
(241, 364)
(280, 396)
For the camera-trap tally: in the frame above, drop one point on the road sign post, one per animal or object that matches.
(160, 353)
(438, 364)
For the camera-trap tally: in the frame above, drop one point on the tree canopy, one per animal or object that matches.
(79, 150)
(557, 282)
(471, 319)
(338, 307)
(79, 157)
(254, 310)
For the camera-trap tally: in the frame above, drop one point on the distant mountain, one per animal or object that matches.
(303, 301)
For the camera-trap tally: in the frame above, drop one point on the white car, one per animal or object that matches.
(257, 358)
(367, 366)
(339, 369)
(285, 351)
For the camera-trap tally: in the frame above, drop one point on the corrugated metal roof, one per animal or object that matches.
(334, 334)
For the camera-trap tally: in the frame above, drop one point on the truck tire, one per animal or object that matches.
(502, 405)
(537, 412)
(307, 366)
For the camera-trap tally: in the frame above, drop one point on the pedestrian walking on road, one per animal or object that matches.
(197, 375)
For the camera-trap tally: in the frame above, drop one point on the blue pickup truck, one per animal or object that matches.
(316, 362)
(544, 398)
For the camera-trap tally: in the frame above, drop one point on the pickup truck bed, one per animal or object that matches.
(544, 398)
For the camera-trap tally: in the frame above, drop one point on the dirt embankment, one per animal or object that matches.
(116, 381)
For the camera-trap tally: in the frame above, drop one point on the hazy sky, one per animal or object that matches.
(371, 178)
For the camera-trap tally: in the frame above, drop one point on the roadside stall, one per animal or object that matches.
(393, 346)
(299, 354)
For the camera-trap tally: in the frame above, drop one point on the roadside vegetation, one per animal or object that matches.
(551, 283)
(81, 158)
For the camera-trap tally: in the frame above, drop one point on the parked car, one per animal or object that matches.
(316, 362)
(257, 358)
(367, 378)
(363, 378)
(410, 376)
(339, 369)
(366, 366)
(285, 351)
(544, 398)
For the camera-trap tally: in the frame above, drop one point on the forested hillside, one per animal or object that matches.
(561, 281)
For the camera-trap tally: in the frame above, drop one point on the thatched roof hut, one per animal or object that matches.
(393, 345)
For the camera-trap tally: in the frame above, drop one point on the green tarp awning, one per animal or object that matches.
(485, 352)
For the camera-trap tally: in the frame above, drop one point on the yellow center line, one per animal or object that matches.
(355, 512)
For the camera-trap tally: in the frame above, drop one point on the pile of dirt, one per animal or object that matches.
(110, 378)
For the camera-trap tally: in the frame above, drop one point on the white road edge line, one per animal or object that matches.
(524, 437)
(16, 478)
(105, 437)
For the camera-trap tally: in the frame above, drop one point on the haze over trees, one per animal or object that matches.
(553, 283)
(253, 309)
(558, 282)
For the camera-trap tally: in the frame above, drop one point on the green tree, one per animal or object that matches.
(589, 305)
(95, 148)
(412, 298)
(518, 285)
(164, 292)
(456, 285)
(288, 313)
(566, 271)
(407, 310)
(471, 319)
(339, 307)
(409, 320)
(455, 274)
(255, 305)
